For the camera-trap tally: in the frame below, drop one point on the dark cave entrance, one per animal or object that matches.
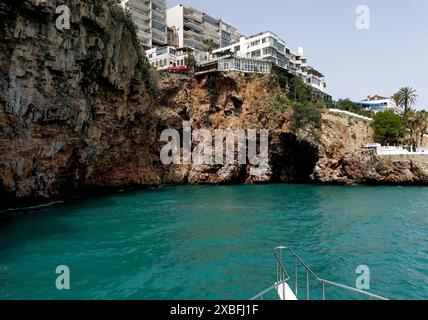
(293, 160)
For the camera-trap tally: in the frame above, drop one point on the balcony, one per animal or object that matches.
(193, 15)
(160, 4)
(158, 31)
(159, 39)
(141, 21)
(159, 14)
(196, 39)
(140, 6)
(191, 43)
(193, 25)
(143, 35)
(161, 25)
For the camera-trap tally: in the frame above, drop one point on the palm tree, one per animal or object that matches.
(190, 62)
(396, 98)
(406, 97)
(411, 120)
(209, 45)
(422, 120)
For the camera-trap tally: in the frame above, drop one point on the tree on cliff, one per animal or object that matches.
(405, 97)
(299, 91)
(348, 105)
(190, 62)
(423, 125)
(306, 116)
(417, 124)
(209, 45)
(389, 128)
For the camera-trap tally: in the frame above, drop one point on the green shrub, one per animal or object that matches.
(11, 24)
(348, 105)
(299, 91)
(282, 76)
(125, 17)
(389, 128)
(306, 116)
(328, 103)
(280, 104)
(40, 88)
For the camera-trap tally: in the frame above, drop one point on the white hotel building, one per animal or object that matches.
(267, 46)
(150, 18)
(194, 27)
(377, 103)
(233, 52)
(166, 57)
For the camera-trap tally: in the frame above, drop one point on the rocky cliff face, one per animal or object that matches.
(81, 112)
(220, 101)
(343, 161)
(233, 100)
(74, 104)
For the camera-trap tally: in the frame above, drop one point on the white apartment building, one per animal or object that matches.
(268, 46)
(165, 57)
(150, 18)
(195, 26)
(377, 103)
(244, 65)
(315, 79)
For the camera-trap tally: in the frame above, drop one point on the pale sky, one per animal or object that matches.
(392, 54)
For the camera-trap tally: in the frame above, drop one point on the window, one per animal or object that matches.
(269, 52)
(161, 51)
(256, 54)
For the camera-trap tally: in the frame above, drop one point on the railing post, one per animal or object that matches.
(295, 274)
(283, 291)
(323, 290)
(307, 285)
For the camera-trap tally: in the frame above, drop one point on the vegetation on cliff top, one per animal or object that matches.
(348, 105)
(306, 112)
(306, 108)
(417, 124)
(407, 128)
(405, 98)
(389, 127)
(143, 66)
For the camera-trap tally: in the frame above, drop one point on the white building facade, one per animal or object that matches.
(244, 65)
(166, 57)
(150, 18)
(195, 26)
(377, 103)
(269, 47)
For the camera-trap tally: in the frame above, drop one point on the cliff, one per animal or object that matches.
(74, 104)
(343, 161)
(334, 155)
(81, 112)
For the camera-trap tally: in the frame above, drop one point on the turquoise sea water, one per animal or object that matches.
(216, 242)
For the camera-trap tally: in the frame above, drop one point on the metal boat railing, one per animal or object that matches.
(283, 277)
(262, 294)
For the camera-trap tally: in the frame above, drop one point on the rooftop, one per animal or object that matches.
(375, 97)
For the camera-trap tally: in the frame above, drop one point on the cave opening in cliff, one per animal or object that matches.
(294, 160)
